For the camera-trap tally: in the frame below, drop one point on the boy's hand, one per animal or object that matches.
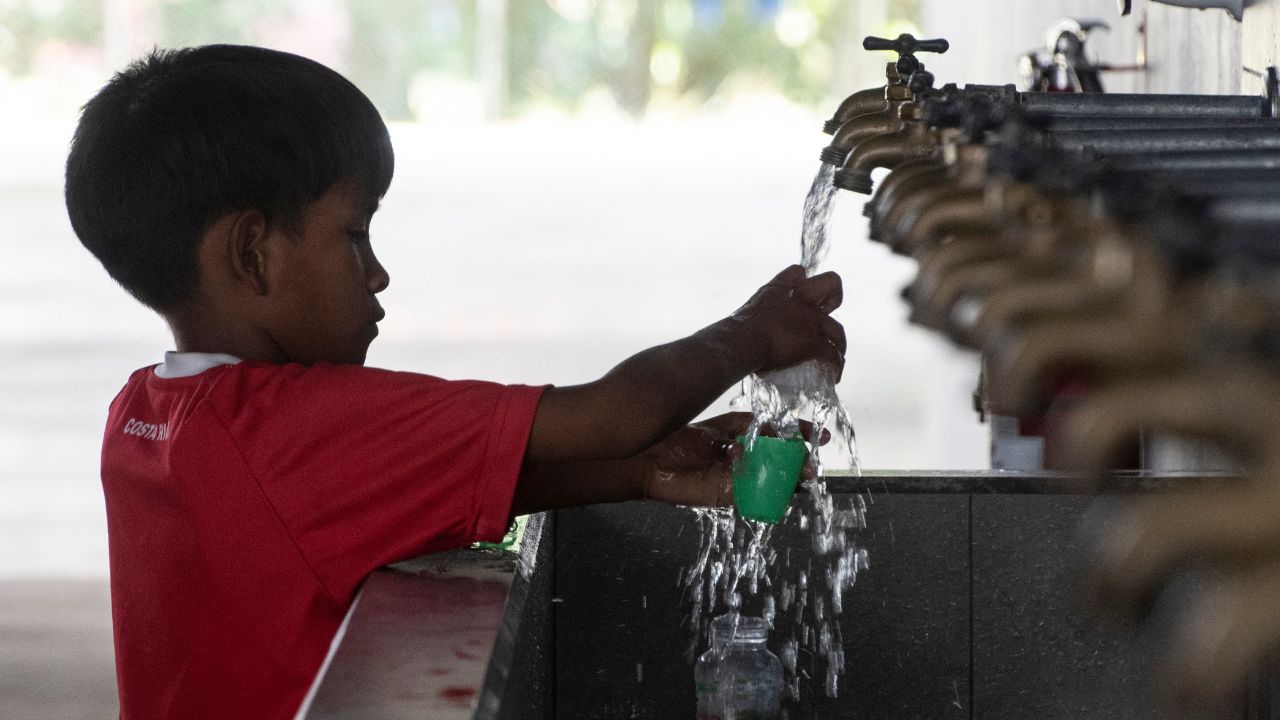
(694, 466)
(791, 317)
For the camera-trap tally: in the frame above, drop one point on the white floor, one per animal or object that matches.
(55, 651)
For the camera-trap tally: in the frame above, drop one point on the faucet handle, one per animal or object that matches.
(905, 44)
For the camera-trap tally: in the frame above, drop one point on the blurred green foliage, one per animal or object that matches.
(556, 51)
(25, 27)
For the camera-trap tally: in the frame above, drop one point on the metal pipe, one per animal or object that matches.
(1067, 123)
(1144, 104)
(1126, 142)
(1166, 123)
(1197, 160)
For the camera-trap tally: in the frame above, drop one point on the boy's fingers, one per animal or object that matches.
(724, 494)
(824, 291)
(833, 357)
(731, 424)
(807, 432)
(835, 343)
(834, 332)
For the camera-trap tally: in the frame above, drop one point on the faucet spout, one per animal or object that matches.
(900, 185)
(963, 209)
(1025, 301)
(860, 129)
(1063, 260)
(943, 301)
(962, 250)
(898, 217)
(1101, 348)
(915, 140)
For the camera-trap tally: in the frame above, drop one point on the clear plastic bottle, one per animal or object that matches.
(738, 678)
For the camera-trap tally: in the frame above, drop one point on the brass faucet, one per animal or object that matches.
(969, 198)
(868, 125)
(914, 140)
(961, 210)
(1145, 330)
(1080, 256)
(965, 171)
(1227, 395)
(1227, 391)
(959, 167)
(902, 183)
(1032, 240)
(1235, 405)
(896, 73)
(872, 99)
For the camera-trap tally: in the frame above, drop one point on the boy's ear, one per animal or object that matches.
(247, 249)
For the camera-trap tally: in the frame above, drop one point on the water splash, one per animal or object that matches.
(736, 564)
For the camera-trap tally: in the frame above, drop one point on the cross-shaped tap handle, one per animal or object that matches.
(905, 44)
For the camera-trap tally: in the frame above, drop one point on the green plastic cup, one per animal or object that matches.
(765, 477)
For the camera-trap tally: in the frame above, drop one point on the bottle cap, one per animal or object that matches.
(728, 628)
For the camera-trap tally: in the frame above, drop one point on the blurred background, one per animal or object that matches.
(576, 180)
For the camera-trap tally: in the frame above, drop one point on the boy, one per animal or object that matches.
(258, 474)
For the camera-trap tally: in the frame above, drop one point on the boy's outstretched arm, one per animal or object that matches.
(650, 396)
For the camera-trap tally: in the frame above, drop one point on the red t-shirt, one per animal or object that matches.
(246, 503)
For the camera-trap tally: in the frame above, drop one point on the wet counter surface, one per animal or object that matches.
(426, 637)
(963, 613)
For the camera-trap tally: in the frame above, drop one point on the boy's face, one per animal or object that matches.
(324, 309)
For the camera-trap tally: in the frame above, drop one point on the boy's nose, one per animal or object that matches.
(378, 277)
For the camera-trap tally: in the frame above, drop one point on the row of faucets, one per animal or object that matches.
(1115, 259)
(1073, 239)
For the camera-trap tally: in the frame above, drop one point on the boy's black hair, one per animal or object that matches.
(183, 136)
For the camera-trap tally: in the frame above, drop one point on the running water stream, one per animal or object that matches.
(738, 567)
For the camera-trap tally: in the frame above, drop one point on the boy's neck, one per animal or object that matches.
(192, 332)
